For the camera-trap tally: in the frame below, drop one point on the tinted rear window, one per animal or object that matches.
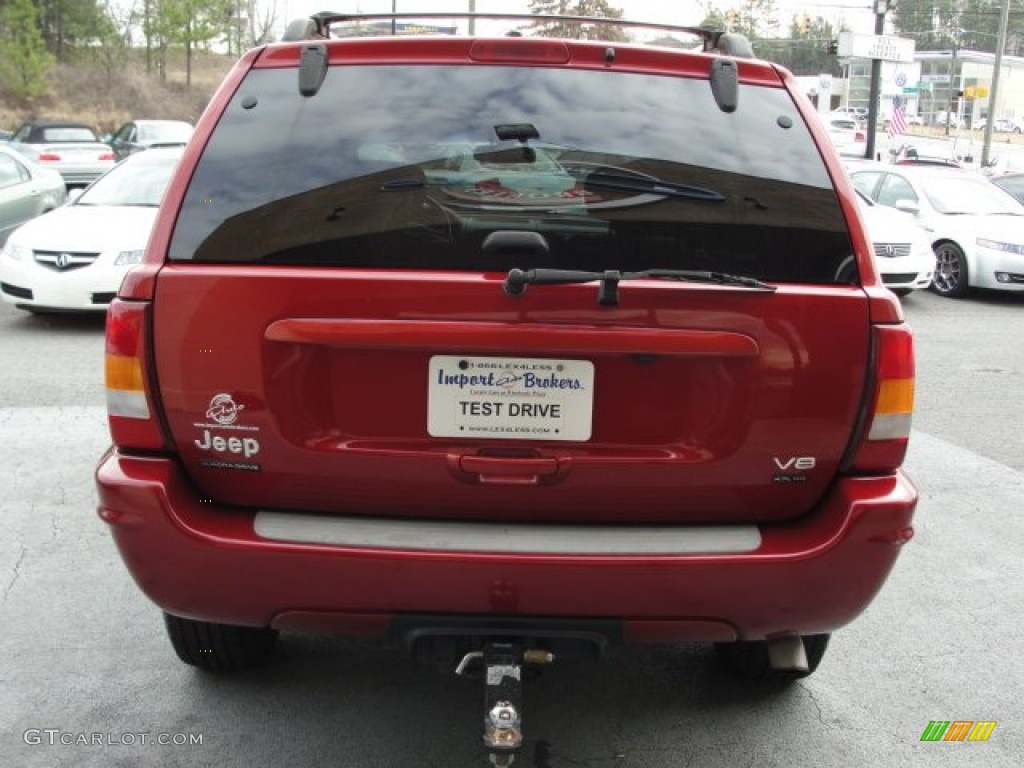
(413, 167)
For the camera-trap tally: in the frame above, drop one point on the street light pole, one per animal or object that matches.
(881, 6)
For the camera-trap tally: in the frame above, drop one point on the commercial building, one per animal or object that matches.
(928, 86)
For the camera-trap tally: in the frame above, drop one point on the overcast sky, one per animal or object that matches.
(856, 13)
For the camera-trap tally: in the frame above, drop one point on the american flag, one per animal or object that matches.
(897, 121)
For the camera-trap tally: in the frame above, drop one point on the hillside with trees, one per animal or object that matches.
(105, 61)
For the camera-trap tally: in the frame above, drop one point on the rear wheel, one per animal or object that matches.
(219, 647)
(749, 660)
(950, 271)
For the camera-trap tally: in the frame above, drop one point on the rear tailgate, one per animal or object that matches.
(331, 331)
(437, 394)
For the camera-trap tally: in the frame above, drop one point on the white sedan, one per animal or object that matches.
(976, 229)
(903, 253)
(74, 258)
(847, 135)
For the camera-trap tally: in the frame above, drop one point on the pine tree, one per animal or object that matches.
(25, 64)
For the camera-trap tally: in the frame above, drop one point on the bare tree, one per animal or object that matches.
(594, 8)
(262, 17)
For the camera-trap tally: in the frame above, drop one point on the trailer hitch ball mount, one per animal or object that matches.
(503, 695)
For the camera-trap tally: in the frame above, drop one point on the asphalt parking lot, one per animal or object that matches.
(88, 677)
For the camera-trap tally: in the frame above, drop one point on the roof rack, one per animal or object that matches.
(318, 26)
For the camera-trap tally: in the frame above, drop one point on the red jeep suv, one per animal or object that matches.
(504, 344)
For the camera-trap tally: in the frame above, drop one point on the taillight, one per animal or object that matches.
(860, 136)
(107, 156)
(886, 431)
(48, 157)
(130, 412)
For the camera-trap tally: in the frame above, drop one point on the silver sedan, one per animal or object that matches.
(26, 190)
(73, 149)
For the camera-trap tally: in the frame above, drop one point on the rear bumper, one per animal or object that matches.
(81, 175)
(198, 560)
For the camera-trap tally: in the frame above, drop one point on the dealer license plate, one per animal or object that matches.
(510, 398)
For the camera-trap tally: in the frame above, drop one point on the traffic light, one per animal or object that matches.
(832, 47)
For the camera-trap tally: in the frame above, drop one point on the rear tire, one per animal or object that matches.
(951, 277)
(749, 660)
(219, 647)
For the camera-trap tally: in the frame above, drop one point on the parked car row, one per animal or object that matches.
(81, 155)
(1001, 125)
(74, 257)
(941, 117)
(61, 256)
(975, 227)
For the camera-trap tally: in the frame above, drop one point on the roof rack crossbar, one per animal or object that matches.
(325, 19)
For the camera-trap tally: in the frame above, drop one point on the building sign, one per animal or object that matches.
(883, 47)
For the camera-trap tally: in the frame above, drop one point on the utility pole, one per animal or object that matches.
(994, 92)
(880, 8)
(953, 90)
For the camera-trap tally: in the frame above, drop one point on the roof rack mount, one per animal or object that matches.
(322, 22)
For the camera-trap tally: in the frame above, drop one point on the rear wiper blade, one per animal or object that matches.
(652, 187)
(608, 294)
(704, 276)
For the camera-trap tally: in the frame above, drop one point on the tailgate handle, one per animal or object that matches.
(506, 470)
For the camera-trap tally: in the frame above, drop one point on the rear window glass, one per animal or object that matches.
(139, 181)
(68, 135)
(166, 132)
(413, 167)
